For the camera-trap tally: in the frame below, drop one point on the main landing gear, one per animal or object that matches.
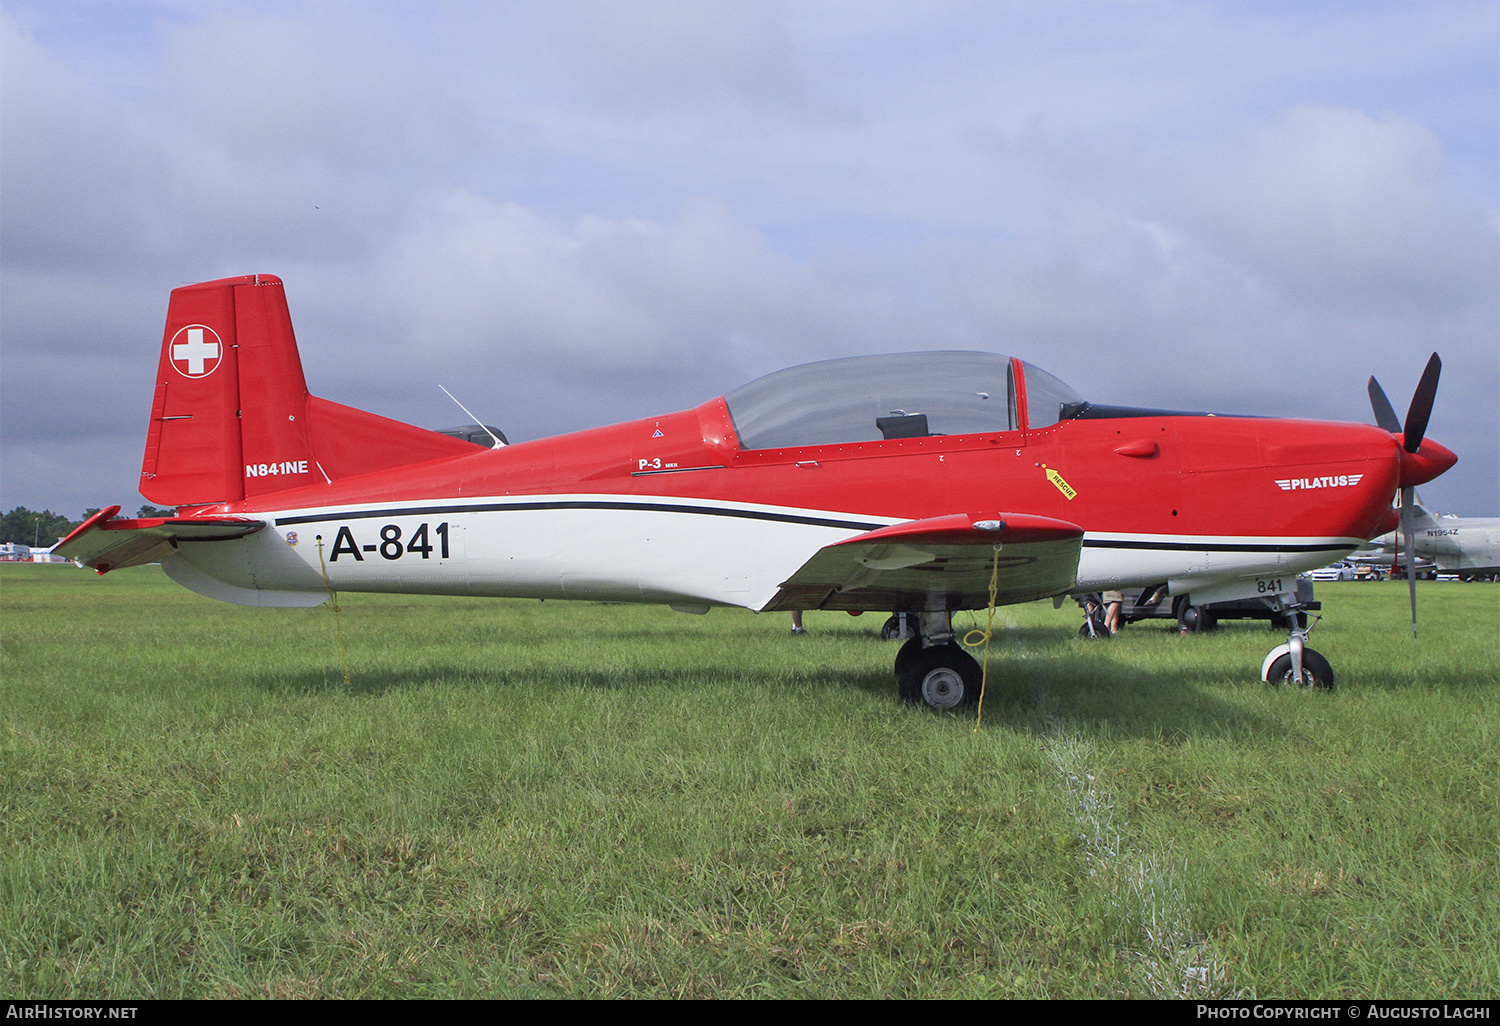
(933, 669)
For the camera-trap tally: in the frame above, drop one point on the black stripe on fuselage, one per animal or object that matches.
(650, 507)
(1161, 546)
(781, 518)
(1099, 411)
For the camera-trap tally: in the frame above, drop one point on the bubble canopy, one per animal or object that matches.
(896, 395)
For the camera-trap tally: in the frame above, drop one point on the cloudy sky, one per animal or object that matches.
(571, 212)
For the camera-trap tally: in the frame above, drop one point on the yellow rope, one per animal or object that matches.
(333, 602)
(983, 637)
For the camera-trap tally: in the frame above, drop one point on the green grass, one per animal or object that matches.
(567, 799)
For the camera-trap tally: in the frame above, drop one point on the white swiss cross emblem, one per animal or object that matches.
(196, 351)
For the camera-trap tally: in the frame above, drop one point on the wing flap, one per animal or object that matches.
(939, 563)
(106, 544)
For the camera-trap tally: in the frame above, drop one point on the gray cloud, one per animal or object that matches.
(1335, 206)
(71, 164)
(580, 212)
(631, 51)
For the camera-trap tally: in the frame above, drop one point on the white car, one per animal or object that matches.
(1340, 571)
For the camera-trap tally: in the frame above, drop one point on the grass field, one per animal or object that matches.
(517, 799)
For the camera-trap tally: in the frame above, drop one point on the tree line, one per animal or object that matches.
(41, 529)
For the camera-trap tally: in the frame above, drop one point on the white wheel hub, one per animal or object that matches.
(943, 688)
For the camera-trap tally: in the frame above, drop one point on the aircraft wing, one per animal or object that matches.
(106, 544)
(939, 563)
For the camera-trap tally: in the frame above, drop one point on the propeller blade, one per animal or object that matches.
(1408, 519)
(1384, 415)
(1421, 405)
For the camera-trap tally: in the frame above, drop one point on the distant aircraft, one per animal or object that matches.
(1466, 546)
(922, 483)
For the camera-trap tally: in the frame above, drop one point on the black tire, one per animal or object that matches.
(1195, 620)
(1316, 673)
(906, 654)
(941, 677)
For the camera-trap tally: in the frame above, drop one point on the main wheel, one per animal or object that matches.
(1316, 673)
(1195, 619)
(906, 654)
(942, 677)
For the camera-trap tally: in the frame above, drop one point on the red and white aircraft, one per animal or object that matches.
(922, 483)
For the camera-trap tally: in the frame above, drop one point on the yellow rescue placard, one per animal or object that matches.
(1057, 480)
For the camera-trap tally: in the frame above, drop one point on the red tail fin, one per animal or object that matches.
(232, 417)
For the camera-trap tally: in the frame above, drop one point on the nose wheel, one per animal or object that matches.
(1316, 672)
(1294, 663)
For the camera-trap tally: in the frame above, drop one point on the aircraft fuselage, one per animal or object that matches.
(673, 510)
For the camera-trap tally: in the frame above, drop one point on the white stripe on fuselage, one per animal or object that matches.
(604, 547)
(641, 549)
(1110, 561)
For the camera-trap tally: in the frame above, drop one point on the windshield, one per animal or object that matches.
(869, 398)
(1046, 397)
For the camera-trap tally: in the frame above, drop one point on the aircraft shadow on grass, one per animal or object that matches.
(1050, 686)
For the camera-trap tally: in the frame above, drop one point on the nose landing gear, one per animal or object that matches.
(1295, 663)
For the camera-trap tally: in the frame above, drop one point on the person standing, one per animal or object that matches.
(1113, 602)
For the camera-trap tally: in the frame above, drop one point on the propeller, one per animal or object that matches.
(1412, 432)
(1384, 415)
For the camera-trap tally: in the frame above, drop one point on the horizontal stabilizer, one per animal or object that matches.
(939, 563)
(106, 544)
